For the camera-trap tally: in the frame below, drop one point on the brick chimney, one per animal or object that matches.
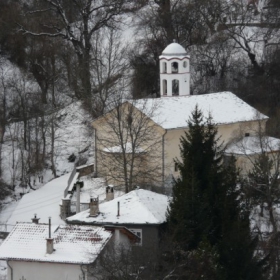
(50, 248)
(35, 220)
(94, 207)
(109, 192)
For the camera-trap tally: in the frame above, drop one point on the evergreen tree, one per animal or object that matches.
(205, 214)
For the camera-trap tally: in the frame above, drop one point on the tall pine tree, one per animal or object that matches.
(205, 214)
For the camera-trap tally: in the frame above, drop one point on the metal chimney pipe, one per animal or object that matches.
(50, 227)
(49, 240)
(118, 209)
(78, 190)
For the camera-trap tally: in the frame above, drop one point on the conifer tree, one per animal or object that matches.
(206, 214)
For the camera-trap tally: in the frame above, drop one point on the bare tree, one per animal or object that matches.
(129, 145)
(109, 67)
(77, 22)
(258, 157)
(126, 262)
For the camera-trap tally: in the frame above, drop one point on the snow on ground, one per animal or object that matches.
(72, 136)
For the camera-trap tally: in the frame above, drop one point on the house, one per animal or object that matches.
(166, 120)
(247, 150)
(39, 251)
(142, 212)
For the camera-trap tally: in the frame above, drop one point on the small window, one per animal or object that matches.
(175, 87)
(164, 67)
(164, 87)
(137, 232)
(185, 64)
(247, 134)
(176, 167)
(174, 67)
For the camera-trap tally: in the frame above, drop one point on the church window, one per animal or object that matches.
(164, 67)
(176, 167)
(174, 67)
(164, 87)
(175, 87)
(185, 64)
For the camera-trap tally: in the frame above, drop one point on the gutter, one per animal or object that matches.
(12, 276)
(163, 162)
(84, 272)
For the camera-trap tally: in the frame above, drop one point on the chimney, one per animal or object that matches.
(78, 190)
(35, 220)
(65, 210)
(49, 240)
(94, 207)
(118, 209)
(109, 192)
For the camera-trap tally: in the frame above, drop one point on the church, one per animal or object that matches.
(164, 120)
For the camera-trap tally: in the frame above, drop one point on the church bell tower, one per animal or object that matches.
(174, 71)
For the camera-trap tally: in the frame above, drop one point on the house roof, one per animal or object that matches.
(254, 145)
(72, 243)
(136, 207)
(174, 112)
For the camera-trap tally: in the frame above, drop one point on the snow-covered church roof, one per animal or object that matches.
(136, 207)
(72, 243)
(174, 112)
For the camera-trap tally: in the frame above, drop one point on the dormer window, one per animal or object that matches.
(174, 67)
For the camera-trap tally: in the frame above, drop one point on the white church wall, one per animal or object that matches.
(227, 133)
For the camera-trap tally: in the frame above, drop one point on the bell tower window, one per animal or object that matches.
(164, 67)
(185, 64)
(175, 87)
(164, 87)
(174, 67)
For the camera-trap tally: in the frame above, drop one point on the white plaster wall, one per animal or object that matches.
(183, 76)
(227, 133)
(43, 271)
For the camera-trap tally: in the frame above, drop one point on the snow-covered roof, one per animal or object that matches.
(254, 145)
(136, 207)
(128, 149)
(44, 202)
(72, 243)
(174, 49)
(174, 112)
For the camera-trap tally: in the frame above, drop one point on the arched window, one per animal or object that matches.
(175, 87)
(164, 87)
(185, 64)
(164, 67)
(174, 67)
